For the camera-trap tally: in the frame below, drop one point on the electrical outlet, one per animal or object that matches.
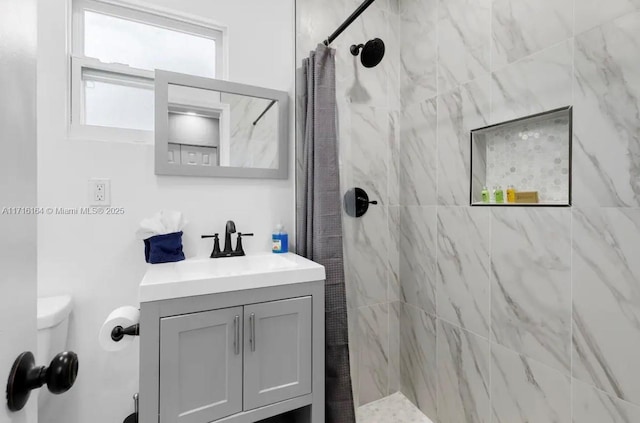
(99, 192)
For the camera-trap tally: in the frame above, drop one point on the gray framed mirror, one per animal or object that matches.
(214, 128)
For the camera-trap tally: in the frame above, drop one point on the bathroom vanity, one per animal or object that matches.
(232, 340)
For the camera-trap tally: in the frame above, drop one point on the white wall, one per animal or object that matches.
(98, 259)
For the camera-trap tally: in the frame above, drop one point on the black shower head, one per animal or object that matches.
(372, 52)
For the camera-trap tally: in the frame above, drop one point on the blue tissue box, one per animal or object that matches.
(164, 248)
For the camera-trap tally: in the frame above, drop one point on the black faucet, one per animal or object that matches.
(229, 229)
(228, 251)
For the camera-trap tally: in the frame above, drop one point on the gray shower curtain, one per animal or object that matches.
(320, 220)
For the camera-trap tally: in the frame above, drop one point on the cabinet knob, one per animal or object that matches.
(25, 376)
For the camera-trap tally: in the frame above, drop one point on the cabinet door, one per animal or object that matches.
(277, 351)
(201, 366)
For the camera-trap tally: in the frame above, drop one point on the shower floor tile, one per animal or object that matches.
(395, 408)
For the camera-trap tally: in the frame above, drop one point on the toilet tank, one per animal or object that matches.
(53, 326)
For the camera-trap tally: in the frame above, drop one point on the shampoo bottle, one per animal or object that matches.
(486, 197)
(499, 195)
(280, 240)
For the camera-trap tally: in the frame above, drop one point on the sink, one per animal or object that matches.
(233, 266)
(195, 277)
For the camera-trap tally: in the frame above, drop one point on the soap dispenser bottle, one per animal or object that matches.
(280, 240)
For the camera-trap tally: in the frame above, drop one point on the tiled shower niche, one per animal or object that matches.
(532, 154)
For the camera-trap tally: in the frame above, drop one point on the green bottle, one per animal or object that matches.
(499, 195)
(486, 197)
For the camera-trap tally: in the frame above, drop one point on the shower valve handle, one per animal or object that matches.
(366, 200)
(356, 202)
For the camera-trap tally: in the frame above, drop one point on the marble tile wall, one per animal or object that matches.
(530, 315)
(252, 145)
(490, 315)
(369, 124)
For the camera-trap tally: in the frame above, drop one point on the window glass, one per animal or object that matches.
(117, 102)
(144, 46)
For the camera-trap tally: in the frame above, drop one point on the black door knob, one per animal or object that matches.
(62, 372)
(25, 376)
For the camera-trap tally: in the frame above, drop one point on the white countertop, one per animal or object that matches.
(205, 276)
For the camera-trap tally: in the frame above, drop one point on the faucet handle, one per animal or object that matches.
(216, 244)
(239, 248)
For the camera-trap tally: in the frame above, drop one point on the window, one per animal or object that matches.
(115, 50)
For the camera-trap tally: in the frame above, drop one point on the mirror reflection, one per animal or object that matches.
(211, 128)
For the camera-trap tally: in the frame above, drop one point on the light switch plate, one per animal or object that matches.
(99, 192)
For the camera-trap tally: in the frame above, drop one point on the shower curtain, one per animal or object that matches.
(320, 220)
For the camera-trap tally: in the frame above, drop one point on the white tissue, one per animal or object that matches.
(123, 316)
(162, 223)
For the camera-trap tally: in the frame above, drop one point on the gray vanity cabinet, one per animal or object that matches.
(200, 366)
(234, 357)
(277, 358)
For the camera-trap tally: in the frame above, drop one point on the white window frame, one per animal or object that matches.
(138, 12)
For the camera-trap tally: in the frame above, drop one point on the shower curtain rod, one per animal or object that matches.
(264, 113)
(348, 22)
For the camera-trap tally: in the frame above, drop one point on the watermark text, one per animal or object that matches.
(63, 211)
